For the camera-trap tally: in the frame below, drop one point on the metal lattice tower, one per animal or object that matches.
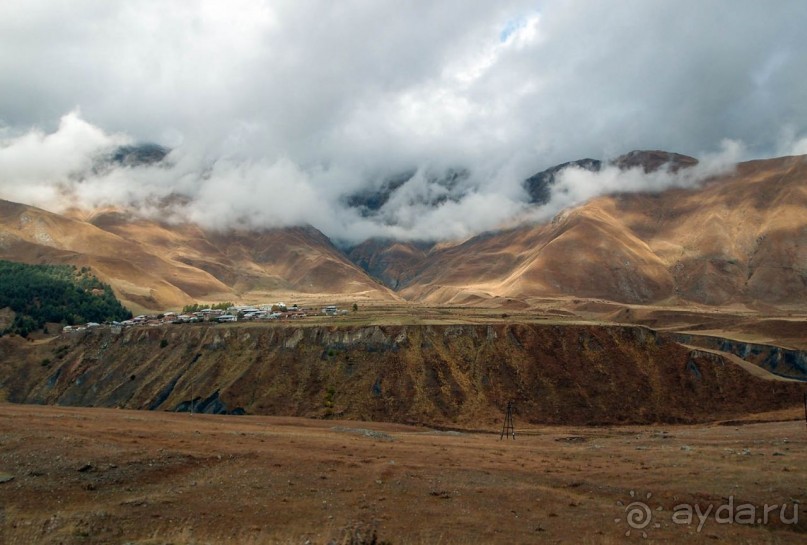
(507, 428)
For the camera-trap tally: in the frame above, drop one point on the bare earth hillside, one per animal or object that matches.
(738, 238)
(155, 266)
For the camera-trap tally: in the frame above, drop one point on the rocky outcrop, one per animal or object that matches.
(783, 362)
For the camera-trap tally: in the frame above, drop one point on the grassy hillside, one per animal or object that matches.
(38, 294)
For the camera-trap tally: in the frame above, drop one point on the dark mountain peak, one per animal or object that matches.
(370, 200)
(439, 188)
(653, 160)
(130, 156)
(539, 186)
(135, 155)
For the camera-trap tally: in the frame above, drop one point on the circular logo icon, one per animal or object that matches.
(638, 514)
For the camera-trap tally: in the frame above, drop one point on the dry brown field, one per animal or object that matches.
(100, 476)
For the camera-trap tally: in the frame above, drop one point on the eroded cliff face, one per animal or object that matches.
(455, 376)
(784, 362)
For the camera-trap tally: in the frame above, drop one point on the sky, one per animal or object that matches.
(276, 111)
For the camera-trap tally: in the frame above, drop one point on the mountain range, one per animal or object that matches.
(737, 238)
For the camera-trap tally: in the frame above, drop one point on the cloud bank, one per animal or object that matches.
(276, 111)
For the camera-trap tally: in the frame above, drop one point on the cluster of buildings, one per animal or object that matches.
(277, 311)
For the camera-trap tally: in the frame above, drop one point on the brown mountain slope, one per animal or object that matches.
(153, 266)
(393, 262)
(142, 280)
(292, 259)
(587, 253)
(739, 238)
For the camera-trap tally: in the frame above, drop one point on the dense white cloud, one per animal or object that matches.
(575, 185)
(36, 166)
(276, 110)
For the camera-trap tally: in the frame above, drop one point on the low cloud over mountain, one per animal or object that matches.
(288, 113)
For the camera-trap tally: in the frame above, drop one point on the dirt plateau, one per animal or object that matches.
(454, 376)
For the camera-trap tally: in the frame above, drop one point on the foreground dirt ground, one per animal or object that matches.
(84, 475)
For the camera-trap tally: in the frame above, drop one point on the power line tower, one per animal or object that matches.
(507, 428)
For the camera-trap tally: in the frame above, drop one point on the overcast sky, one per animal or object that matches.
(276, 110)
